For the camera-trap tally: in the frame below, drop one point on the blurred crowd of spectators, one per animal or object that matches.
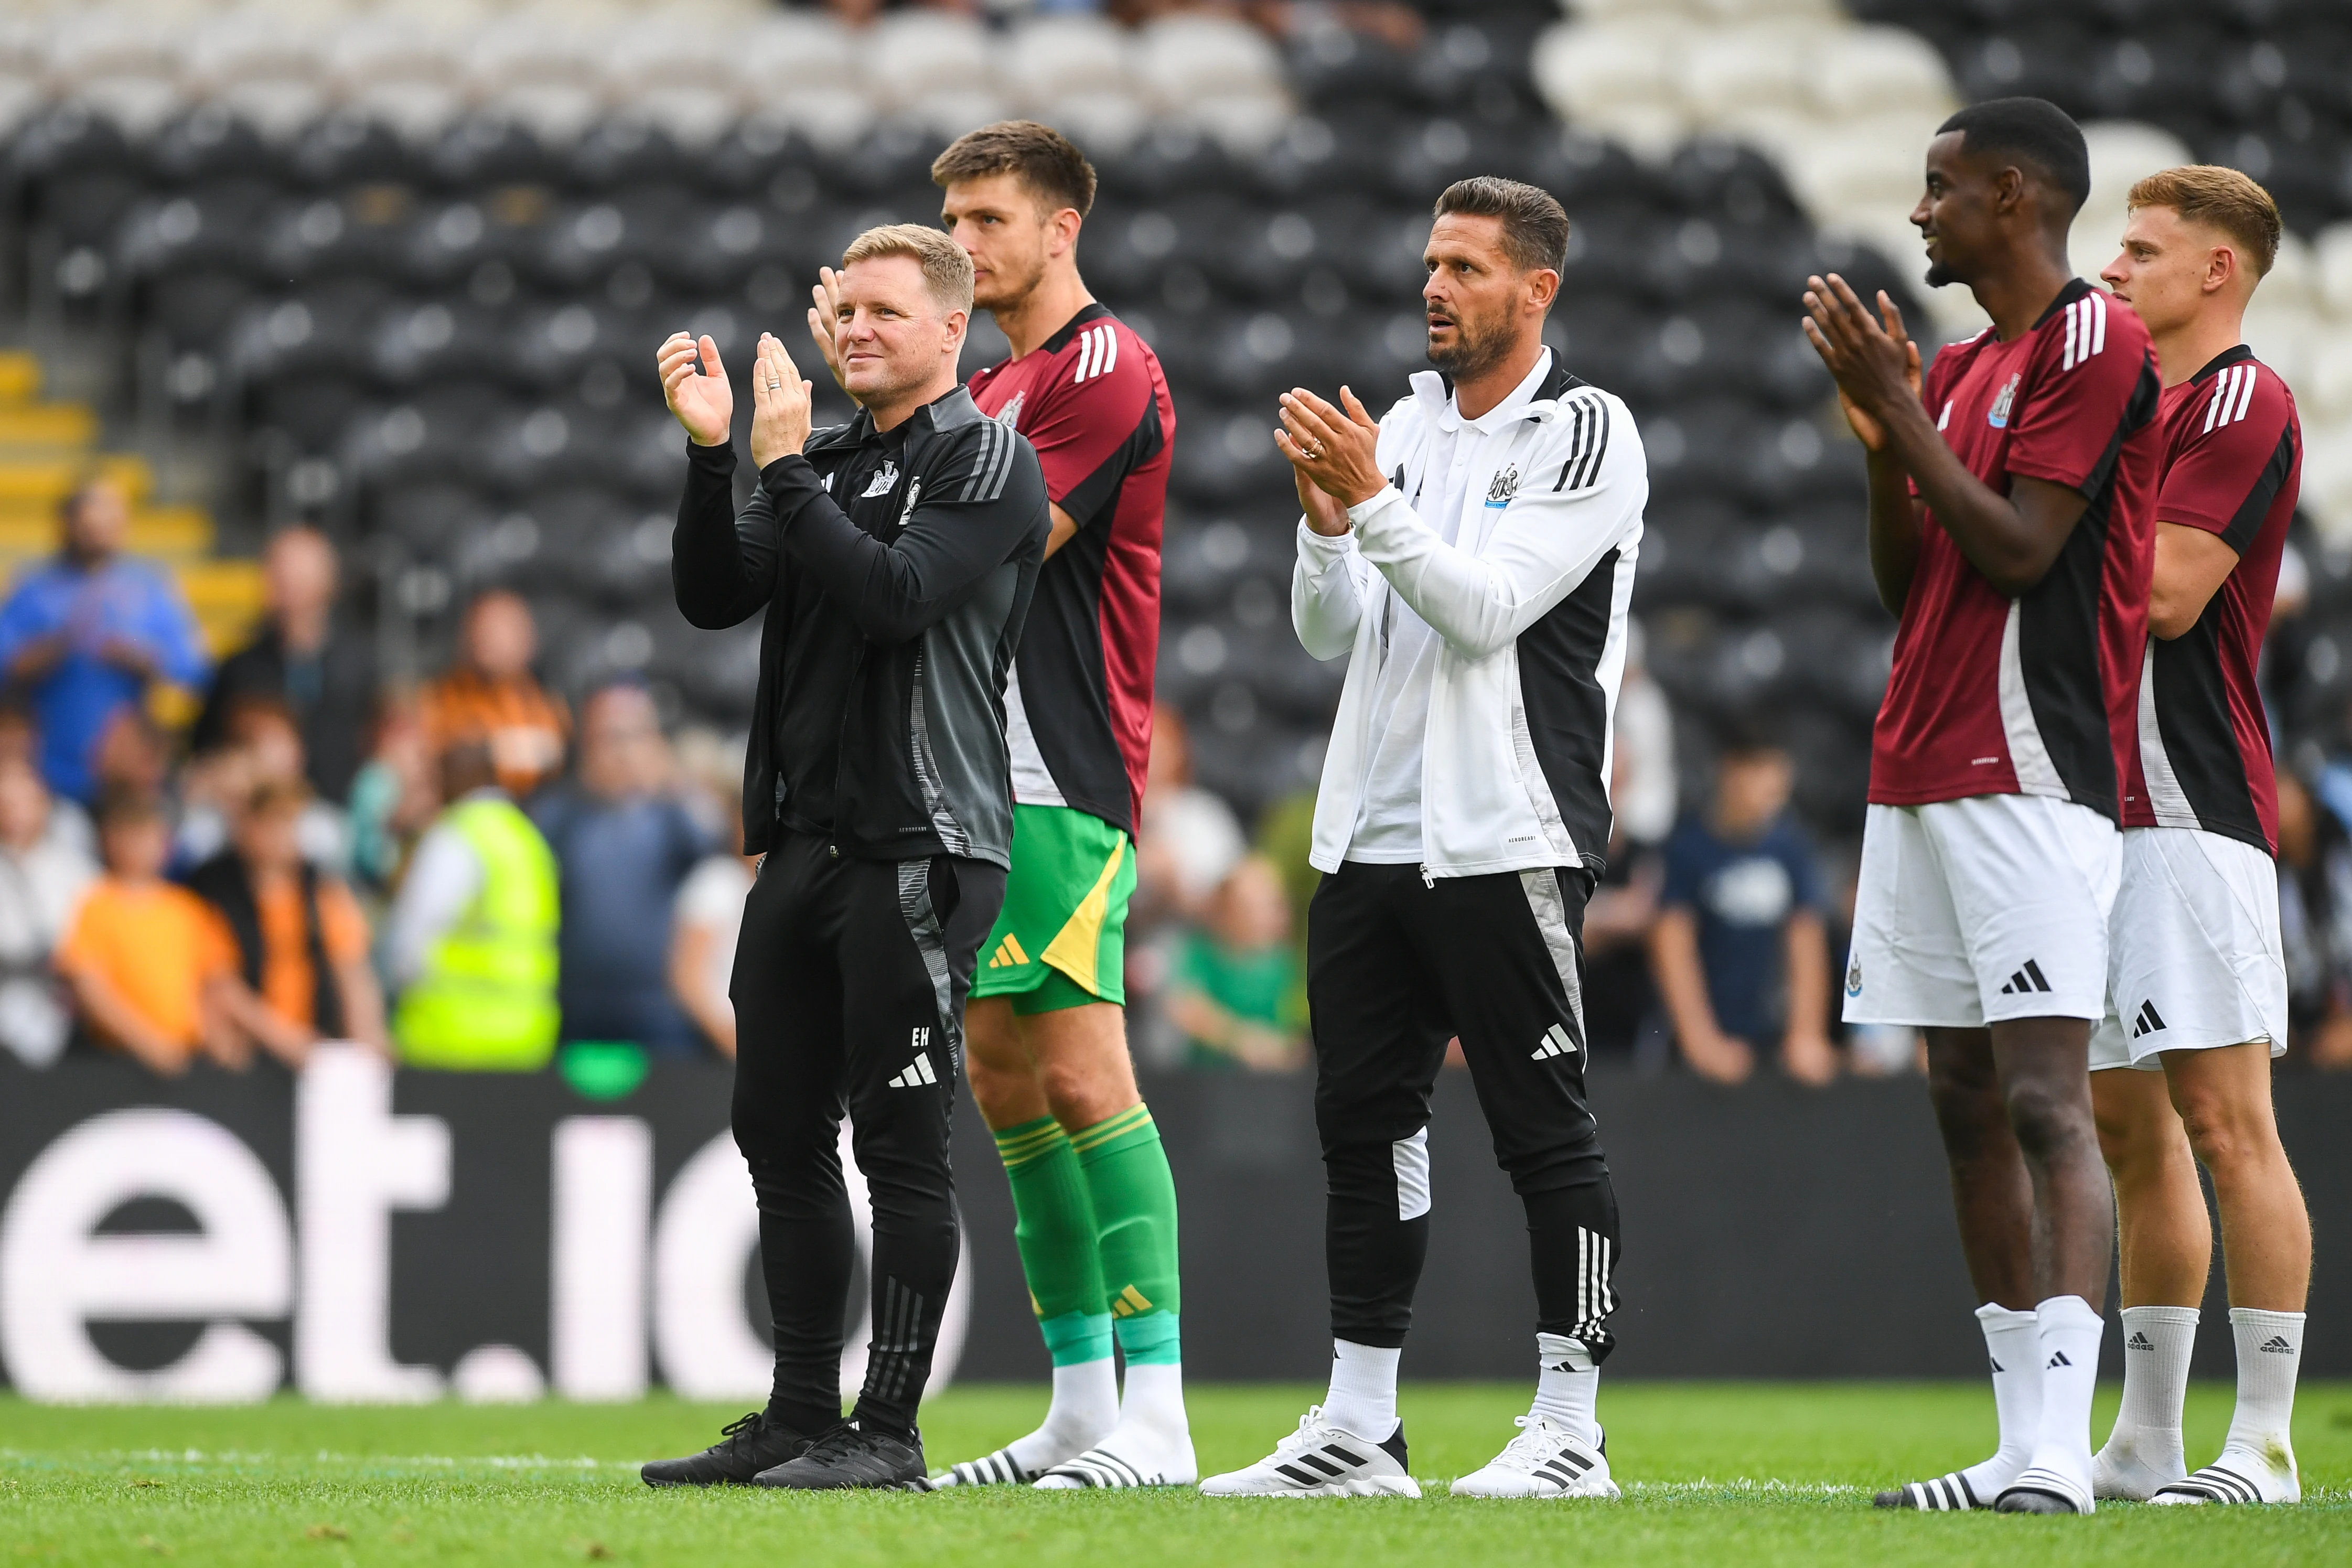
(468, 873)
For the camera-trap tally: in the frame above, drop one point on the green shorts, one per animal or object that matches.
(1061, 939)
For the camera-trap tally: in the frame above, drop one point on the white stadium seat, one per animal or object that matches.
(1055, 58)
(787, 52)
(1181, 60)
(913, 57)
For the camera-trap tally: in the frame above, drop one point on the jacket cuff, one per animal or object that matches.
(790, 481)
(719, 459)
(1365, 516)
(1320, 550)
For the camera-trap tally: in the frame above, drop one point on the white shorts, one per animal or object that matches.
(1975, 911)
(2195, 959)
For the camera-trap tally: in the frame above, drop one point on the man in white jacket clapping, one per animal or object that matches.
(1474, 551)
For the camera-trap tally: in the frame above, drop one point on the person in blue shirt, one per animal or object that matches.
(88, 631)
(1739, 949)
(623, 842)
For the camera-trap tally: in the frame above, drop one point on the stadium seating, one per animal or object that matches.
(408, 262)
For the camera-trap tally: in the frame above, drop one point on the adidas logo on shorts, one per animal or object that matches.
(1555, 1043)
(2147, 1021)
(2025, 980)
(1009, 953)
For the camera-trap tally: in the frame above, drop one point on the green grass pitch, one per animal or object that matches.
(1714, 1473)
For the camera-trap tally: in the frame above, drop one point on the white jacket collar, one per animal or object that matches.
(1437, 400)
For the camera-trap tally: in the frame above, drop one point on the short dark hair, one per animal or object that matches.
(1535, 226)
(2034, 131)
(1750, 736)
(1044, 160)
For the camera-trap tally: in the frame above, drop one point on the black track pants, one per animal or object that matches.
(849, 987)
(1396, 965)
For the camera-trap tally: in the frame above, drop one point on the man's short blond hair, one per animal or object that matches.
(947, 270)
(2223, 199)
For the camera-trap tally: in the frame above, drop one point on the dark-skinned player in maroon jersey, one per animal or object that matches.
(2198, 982)
(1045, 1027)
(2011, 529)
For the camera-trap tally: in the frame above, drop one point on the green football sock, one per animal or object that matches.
(1135, 1217)
(1054, 1229)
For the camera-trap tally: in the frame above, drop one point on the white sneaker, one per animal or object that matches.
(1544, 1460)
(2238, 1476)
(1321, 1460)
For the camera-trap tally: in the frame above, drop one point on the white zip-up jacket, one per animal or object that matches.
(1529, 605)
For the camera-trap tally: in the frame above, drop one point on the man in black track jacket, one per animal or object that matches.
(895, 557)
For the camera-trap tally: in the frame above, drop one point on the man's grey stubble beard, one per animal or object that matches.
(1471, 353)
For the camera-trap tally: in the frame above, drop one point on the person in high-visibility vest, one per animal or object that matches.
(471, 942)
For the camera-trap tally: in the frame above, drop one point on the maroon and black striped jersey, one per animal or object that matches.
(2232, 465)
(1092, 401)
(2034, 695)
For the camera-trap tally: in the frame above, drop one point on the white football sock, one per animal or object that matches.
(2070, 1375)
(1085, 1408)
(1152, 1439)
(2270, 1352)
(1363, 1390)
(1567, 1386)
(1155, 1399)
(2013, 1346)
(2144, 1450)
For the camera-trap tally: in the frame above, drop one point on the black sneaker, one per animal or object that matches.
(848, 1457)
(745, 1449)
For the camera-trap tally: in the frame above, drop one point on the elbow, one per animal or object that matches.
(2167, 617)
(2015, 579)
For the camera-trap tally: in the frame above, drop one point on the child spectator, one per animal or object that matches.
(1234, 988)
(301, 940)
(260, 744)
(41, 880)
(150, 963)
(1739, 948)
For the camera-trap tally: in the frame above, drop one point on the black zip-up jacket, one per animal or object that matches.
(895, 569)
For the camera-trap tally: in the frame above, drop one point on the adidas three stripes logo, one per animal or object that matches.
(1555, 1043)
(2147, 1021)
(2027, 979)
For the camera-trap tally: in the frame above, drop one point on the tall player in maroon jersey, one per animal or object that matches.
(2011, 529)
(2198, 984)
(1046, 1026)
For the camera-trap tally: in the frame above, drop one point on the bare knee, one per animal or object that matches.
(1083, 1089)
(2223, 1131)
(2050, 1120)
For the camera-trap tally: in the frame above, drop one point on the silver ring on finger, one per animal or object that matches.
(776, 386)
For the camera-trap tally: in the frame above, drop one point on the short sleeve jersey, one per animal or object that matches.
(1092, 401)
(2232, 465)
(2035, 695)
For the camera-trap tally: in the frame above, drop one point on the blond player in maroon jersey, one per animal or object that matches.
(2197, 987)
